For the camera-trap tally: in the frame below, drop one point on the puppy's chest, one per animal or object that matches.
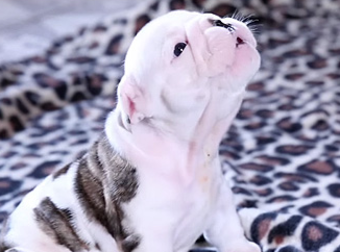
(183, 209)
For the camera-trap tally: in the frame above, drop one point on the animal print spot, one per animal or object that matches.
(3, 134)
(240, 190)
(244, 114)
(289, 249)
(248, 204)
(78, 96)
(310, 192)
(262, 140)
(99, 28)
(1, 114)
(318, 167)
(140, 22)
(295, 53)
(61, 90)
(32, 97)
(256, 86)
(46, 81)
(263, 192)
(294, 150)
(334, 190)
(256, 167)
(6, 101)
(44, 169)
(314, 83)
(288, 186)
(223, 9)
(272, 160)
(287, 107)
(255, 125)
(81, 60)
(284, 229)
(317, 63)
(333, 76)
(330, 147)
(48, 106)
(199, 3)
(16, 123)
(8, 185)
(282, 198)
(315, 209)
(294, 76)
(273, 43)
(177, 4)
(320, 125)
(155, 6)
(315, 235)
(22, 108)
(260, 226)
(113, 46)
(264, 113)
(334, 218)
(288, 126)
(297, 177)
(94, 83)
(260, 180)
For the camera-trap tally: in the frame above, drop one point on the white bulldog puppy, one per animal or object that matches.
(153, 180)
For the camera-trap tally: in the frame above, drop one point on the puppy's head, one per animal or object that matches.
(181, 63)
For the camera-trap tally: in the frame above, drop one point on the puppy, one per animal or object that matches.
(153, 180)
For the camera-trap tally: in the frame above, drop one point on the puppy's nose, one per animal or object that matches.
(221, 24)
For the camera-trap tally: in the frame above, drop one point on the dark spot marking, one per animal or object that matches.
(315, 235)
(7, 185)
(284, 229)
(32, 97)
(318, 167)
(177, 4)
(256, 167)
(21, 106)
(113, 46)
(261, 226)
(288, 126)
(16, 123)
(282, 198)
(288, 186)
(141, 21)
(260, 180)
(294, 150)
(78, 96)
(289, 248)
(44, 169)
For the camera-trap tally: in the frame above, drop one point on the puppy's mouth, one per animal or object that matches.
(230, 28)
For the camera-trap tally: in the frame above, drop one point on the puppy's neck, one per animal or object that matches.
(144, 145)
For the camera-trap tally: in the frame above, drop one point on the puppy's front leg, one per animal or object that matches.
(226, 232)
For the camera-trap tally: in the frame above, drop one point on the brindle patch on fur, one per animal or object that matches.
(57, 223)
(103, 183)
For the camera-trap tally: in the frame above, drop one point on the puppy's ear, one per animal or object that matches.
(132, 100)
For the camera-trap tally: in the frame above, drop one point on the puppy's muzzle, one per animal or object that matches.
(229, 27)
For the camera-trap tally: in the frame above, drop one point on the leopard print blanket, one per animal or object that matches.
(281, 155)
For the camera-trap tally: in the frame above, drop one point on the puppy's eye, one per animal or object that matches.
(179, 48)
